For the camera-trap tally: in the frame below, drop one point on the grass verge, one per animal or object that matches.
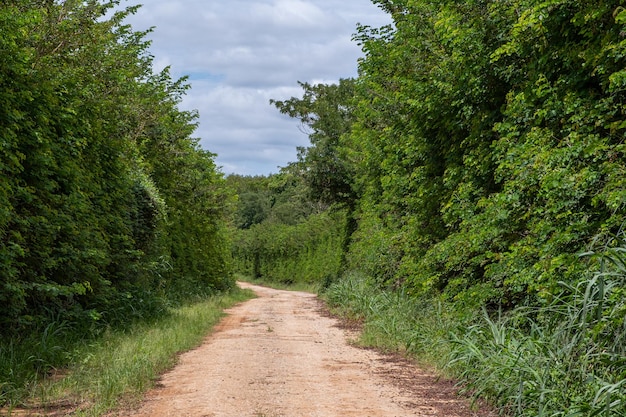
(393, 321)
(119, 367)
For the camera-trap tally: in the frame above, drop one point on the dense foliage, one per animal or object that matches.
(492, 135)
(108, 205)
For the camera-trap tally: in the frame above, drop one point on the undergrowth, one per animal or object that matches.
(566, 359)
(41, 348)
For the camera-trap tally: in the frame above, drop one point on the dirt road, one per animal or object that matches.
(278, 356)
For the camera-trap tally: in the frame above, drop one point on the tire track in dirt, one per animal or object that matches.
(278, 356)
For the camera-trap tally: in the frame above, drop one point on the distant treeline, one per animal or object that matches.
(280, 234)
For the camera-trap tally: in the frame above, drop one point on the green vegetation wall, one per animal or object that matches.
(105, 198)
(282, 235)
(307, 252)
(488, 145)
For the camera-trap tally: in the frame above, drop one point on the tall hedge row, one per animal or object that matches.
(106, 200)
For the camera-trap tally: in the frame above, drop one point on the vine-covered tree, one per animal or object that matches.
(325, 112)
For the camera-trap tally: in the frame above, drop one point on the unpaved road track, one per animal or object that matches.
(278, 356)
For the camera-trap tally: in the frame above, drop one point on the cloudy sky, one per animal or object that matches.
(239, 54)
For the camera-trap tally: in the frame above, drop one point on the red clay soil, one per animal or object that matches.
(279, 356)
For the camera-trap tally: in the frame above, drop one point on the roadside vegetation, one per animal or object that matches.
(473, 179)
(567, 358)
(112, 218)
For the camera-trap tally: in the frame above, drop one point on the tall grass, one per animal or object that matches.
(392, 320)
(47, 342)
(120, 365)
(566, 359)
(24, 359)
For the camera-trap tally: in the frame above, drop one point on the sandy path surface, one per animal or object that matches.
(278, 356)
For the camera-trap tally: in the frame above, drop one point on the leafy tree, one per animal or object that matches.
(326, 114)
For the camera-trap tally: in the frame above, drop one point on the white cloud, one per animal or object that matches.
(241, 53)
(290, 14)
